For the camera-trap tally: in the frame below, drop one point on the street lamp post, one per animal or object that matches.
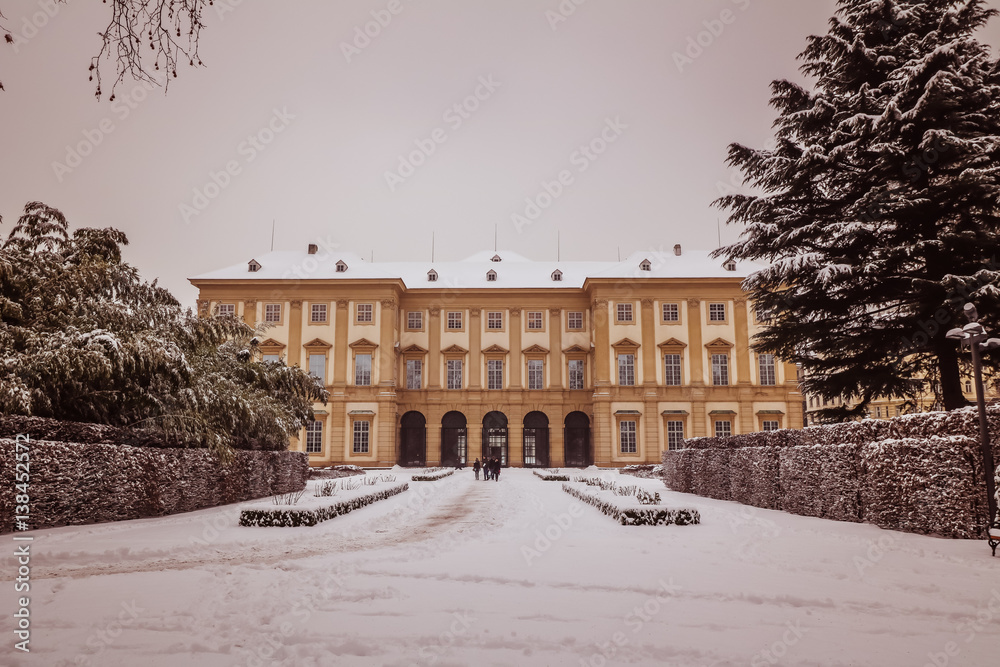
(973, 336)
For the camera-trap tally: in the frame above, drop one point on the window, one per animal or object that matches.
(414, 372)
(716, 312)
(366, 313)
(720, 369)
(675, 434)
(623, 312)
(968, 387)
(574, 320)
(363, 370)
(415, 319)
(317, 312)
(494, 374)
(723, 428)
(626, 369)
(314, 437)
(535, 321)
(455, 319)
(672, 370)
(576, 373)
(671, 313)
(361, 432)
(536, 374)
(317, 366)
(272, 357)
(769, 425)
(878, 412)
(494, 320)
(454, 374)
(626, 436)
(766, 368)
(224, 309)
(272, 312)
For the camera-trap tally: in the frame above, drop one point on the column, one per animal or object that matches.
(697, 346)
(555, 360)
(387, 344)
(434, 359)
(340, 360)
(250, 312)
(475, 350)
(295, 333)
(602, 344)
(515, 348)
(648, 342)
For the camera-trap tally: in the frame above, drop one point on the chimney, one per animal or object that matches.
(677, 249)
(313, 248)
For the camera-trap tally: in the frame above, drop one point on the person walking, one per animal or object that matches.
(475, 468)
(496, 470)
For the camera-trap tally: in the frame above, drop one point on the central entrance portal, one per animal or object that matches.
(454, 440)
(495, 436)
(536, 440)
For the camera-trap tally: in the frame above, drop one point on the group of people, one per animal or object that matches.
(490, 468)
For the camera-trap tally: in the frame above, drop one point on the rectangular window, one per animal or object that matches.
(576, 373)
(535, 321)
(317, 366)
(623, 312)
(723, 428)
(314, 437)
(317, 312)
(765, 363)
(414, 373)
(494, 374)
(878, 412)
(716, 312)
(454, 374)
(720, 369)
(536, 374)
(272, 312)
(363, 370)
(361, 432)
(672, 370)
(574, 320)
(626, 435)
(223, 309)
(415, 319)
(675, 434)
(455, 319)
(671, 313)
(366, 313)
(769, 425)
(494, 321)
(272, 357)
(626, 369)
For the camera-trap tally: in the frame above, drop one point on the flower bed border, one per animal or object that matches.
(638, 516)
(290, 516)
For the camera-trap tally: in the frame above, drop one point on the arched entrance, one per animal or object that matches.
(454, 439)
(495, 436)
(577, 440)
(413, 440)
(536, 440)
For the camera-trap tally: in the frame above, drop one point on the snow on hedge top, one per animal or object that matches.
(512, 270)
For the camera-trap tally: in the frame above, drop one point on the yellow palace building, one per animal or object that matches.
(540, 363)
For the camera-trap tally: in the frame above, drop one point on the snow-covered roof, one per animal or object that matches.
(513, 270)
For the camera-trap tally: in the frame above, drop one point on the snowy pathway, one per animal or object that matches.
(460, 572)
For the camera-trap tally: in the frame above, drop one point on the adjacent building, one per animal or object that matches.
(539, 363)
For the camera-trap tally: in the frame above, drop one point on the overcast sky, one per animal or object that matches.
(454, 118)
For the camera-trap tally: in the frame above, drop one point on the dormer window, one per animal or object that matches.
(341, 266)
(644, 265)
(432, 275)
(730, 265)
(495, 258)
(557, 275)
(491, 276)
(253, 266)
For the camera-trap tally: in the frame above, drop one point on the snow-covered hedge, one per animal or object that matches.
(433, 476)
(335, 472)
(646, 471)
(72, 484)
(551, 476)
(316, 509)
(629, 512)
(920, 473)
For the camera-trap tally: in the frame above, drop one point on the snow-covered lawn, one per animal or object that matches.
(515, 572)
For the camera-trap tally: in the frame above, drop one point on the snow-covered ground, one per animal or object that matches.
(515, 572)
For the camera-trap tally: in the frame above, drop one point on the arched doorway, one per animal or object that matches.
(577, 440)
(413, 440)
(536, 440)
(454, 440)
(495, 436)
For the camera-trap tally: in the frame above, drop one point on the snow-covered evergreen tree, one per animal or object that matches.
(877, 211)
(83, 337)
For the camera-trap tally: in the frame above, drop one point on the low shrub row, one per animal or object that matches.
(433, 476)
(335, 472)
(645, 471)
(635, 516)
(551, 475)
(317, 512)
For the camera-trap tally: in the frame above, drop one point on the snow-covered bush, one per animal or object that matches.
(647, 497)
(290, 498)
(551, 476)
(754, 477)
(325, 489)
(439, 473)
(630, 515)
(335, 472)
(645, 471)
(312, 515)
(821, 481)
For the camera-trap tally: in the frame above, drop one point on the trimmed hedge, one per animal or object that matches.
(551, 476)
(637, 516)
(432, 476)
(74, 484)
(291, 516)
